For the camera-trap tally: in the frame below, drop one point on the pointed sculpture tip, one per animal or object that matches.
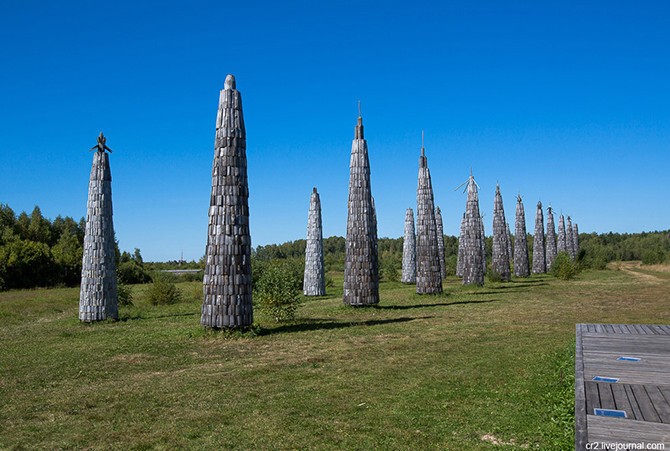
(539, 204)
(314, 190)
(230, 82)
(437, 211)
(359, 133)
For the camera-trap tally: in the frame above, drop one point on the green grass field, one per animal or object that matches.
(474, 368)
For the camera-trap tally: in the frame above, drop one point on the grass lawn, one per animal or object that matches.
(474, 368)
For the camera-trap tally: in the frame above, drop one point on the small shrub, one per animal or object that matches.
(191, 277)
(163, 291)
(277, 290)
(390, 271)
(653, 256)
(131, 272)
(493, 276)
(564, 268)
(125, 293)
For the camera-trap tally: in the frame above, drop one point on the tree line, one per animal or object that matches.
(38, 252)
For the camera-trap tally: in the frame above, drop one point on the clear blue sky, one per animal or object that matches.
(567, 102)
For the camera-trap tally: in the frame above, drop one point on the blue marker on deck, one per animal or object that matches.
(629, 359)
(611, 380)
(610, 413)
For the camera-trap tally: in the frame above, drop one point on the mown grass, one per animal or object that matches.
(474, 368)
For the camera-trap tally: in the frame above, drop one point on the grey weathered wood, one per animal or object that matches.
(606, 396)
(473, 267)
(550, 242)
(539, 257)
(643, 390)
(521, 267)
(569, 239)
(409, 249)
(227, 280)
(361, 261)
(500, 257)
(581, 404)
(314, 279)
(440, 242)
(609, 430)
(621, 399)
(562, 245)
(460, 261)
(98, 297)
(428, 270)
(637, 413)
(645, 403)
(659, 402)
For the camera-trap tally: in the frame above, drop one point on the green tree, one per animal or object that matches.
(163, 291)
(67, 253)
(27, 264)
(39, 228)
(277, 288)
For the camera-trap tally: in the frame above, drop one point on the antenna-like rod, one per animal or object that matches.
(359, 109)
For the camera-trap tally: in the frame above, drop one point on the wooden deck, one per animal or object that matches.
(642, 388)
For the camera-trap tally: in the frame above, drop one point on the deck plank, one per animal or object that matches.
(643, 389)
(602, 429)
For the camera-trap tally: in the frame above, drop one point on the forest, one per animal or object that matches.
(38, 252)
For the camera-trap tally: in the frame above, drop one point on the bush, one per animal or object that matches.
(277, 287)
(389, 270)
(163, 291)
(27, 264)
(653, 256)
(132, 272)
(493, 276)
(563, 267)
(125, 293)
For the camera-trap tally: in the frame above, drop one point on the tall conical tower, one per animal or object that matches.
(409, 250)
(314, 281)
(520, 243)
(562, 245)
(98, 298)
(510, 248)
(539, 260)
(551, 238)
(361, 272)
(473, 273)
(500, 256)
(428, 271)
(569, 239)
(440, 242)
(575, 238)
(482, 240)
(460, 261)
(227, 280)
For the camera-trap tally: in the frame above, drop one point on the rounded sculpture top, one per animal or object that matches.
(230, 82)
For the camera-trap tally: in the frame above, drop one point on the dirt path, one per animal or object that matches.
(635, 267)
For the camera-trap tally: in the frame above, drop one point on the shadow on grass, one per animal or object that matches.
(318, 324)
(435, 304)
(133, 317)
